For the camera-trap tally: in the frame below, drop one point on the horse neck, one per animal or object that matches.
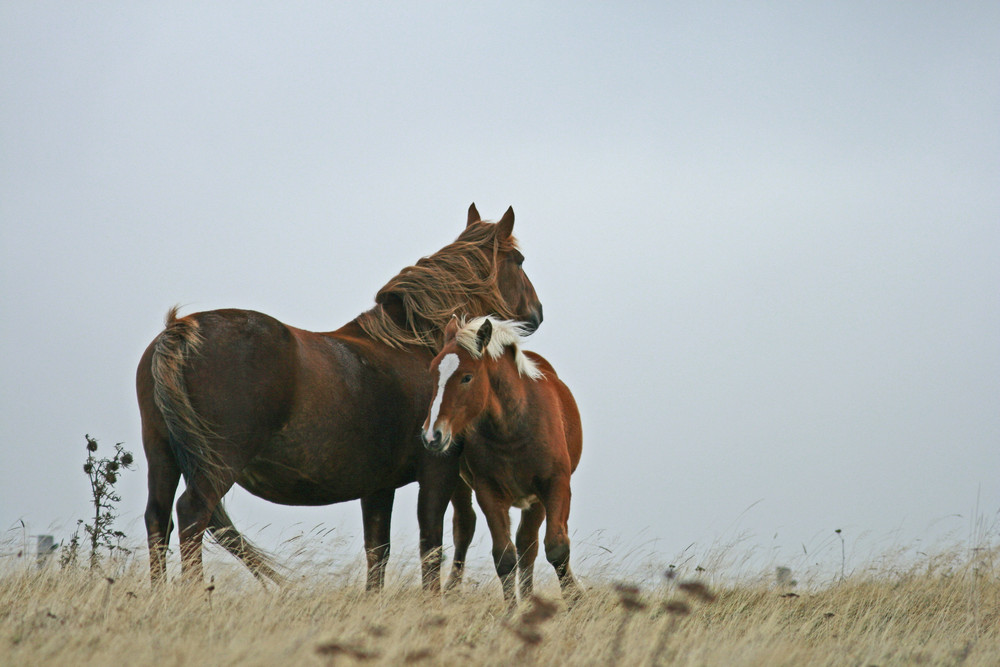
(506, 410)
(394, 309)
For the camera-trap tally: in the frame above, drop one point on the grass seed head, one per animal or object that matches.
(541, 611)
(526, 633)
(436, 621)
(677, 607)
(628, 597)
(698, 590)
(378, 630)
(417, 656)
(335, 649)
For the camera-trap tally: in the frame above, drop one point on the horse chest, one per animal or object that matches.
(505, 469)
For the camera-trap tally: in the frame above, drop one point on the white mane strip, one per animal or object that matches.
(505, 333)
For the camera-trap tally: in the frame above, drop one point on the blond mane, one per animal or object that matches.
(506, 333)
(461, 277)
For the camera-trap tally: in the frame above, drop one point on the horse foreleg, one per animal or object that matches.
(557, 537)
(527, 547)
(376, 515)
(438, 478)
(504, 555)
(463, 527)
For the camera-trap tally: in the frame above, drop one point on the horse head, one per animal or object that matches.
(461, 388)
(513, 283)
(461, 375)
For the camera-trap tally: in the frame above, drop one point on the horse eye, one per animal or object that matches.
(467, 378)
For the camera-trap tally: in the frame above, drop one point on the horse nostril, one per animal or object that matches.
(535, 319)
(431, 442)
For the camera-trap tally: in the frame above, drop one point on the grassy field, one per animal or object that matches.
(943, 611)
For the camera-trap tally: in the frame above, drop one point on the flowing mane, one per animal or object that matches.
(506, 333)
(461, 277)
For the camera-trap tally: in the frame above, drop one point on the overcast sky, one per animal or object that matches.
(766, 236)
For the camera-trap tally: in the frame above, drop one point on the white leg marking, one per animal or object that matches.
(446, 369)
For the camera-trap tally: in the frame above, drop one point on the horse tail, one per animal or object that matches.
(188, 433)
(222, 530)
(180, 340)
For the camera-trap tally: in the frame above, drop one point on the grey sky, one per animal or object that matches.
(766, 236)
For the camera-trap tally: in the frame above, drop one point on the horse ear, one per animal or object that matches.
(473, 215)
(506, 224)
(484, 335)
(451, 328)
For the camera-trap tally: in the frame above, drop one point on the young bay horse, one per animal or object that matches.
(302, 418)
(519, 431)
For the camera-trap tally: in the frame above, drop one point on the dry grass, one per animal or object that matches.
(945, 611)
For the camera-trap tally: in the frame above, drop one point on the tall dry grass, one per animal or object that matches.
(944, 611)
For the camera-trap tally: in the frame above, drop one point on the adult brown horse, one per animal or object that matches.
(522, 439)
(302, 418)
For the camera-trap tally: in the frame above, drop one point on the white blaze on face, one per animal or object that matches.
(446, 369)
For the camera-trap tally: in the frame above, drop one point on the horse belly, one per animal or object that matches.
(291, 487)
(328, 467)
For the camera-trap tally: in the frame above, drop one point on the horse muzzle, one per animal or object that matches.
(533, 321)
(437, 441)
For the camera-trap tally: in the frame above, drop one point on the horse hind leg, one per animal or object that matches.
(557, 553)
(195, 509)
(162, 480)
(463, 528)
(164, 476)
(557, 540)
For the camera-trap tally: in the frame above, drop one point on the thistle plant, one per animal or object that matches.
(103, 474)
